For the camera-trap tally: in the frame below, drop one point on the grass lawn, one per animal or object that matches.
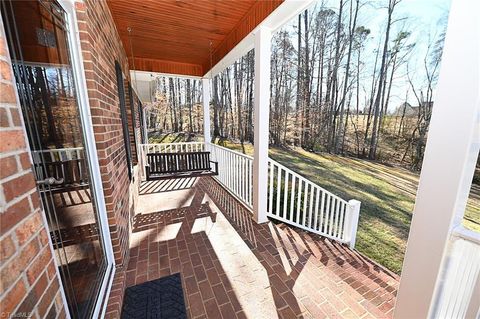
(387, 199)
(174, 138)
(387, 195)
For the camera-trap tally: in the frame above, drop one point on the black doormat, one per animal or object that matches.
(160, 299)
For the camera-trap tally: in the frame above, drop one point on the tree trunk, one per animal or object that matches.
(383, 70)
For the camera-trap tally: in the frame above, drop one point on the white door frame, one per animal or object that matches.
(91, 153)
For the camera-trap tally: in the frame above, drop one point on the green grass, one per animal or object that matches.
(386, 199)
(174, 138)
(387, 195)
(247, 148)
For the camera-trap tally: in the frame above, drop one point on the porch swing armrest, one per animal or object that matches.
(216, 166)
(147, 171)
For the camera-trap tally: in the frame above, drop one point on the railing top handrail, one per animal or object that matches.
(232, 151)
(467, 234)
(167, 144)
(306, 180)
(177, 153)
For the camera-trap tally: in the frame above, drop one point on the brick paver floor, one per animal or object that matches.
(232, 267)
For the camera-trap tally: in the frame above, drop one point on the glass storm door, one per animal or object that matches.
(37, 33)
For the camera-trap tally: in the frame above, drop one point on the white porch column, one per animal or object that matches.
(261, 118)
(145, 127)
(448, 165)
(206, 111)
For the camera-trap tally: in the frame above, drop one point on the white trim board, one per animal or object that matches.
(90, 151)
(279, 17)
(147, 76)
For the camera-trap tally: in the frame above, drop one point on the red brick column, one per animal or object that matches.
(29, 285)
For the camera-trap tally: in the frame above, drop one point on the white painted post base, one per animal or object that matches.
(353, 214)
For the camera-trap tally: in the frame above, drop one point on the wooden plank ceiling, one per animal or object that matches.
(174, 36)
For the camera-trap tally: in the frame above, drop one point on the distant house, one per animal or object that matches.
(410, 110)
(407, 109)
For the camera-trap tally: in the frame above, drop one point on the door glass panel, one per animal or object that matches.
(37, 36)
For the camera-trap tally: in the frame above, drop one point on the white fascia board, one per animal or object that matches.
(279, 17)
(142, 82)
(150, 76)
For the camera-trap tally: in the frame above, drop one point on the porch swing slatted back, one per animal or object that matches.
(181, 164)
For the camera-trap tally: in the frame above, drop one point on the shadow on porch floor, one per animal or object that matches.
(232, 267)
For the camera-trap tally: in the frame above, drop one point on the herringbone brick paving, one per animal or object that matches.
(232, 267)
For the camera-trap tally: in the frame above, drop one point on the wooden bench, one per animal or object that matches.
(176, 165)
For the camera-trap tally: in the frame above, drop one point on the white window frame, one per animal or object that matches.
(91, 153)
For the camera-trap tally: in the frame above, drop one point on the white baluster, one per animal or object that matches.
(337, 217)
(285, 195)
(230, 171)
(250, 181)
(299, 201)
(312, 193)
(332, 215)
(327, 215)
(292, 198)
(243, 179)
(270, 192)
(317, 201)
(342, 215)
(279, 183)
(235, 174)
(305, 200)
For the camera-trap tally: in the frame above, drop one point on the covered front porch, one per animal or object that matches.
(233, 267)
(228, 236)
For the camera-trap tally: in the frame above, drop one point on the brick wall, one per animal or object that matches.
(28, 280)
(101, 47)
(26, 258)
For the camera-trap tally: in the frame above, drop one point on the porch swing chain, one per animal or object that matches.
(129, 29)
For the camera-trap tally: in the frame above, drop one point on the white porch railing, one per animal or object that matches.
(235, 172)
(460, 293)
(292, 198)
(173, 147)
(295, 200)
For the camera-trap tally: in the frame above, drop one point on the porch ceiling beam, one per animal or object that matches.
(163, 66)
